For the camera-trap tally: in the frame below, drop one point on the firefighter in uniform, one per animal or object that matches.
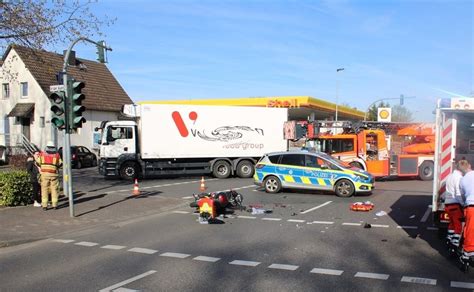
(49, 162)
(454, 202)
(467, 189)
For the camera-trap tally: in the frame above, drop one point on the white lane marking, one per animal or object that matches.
(180, 212)
(465, 285)
(296, 220)
(351, 224)
(188, 197)
(417, 280)
(244, 263)
(271, 219)
(254, 190)
(233, 189)
(322, 222)
(407, 227)
(432, 228)
(246, 217)
(143, 250)
(327, 272)
(206, 259)
(63, 240)
(317, 207)
(174, 255)
(283, 267)
(379, 225)
(86, 243)
(114, 247)
(427, 213)
(128, 281)
(122, 289)
(372, 276)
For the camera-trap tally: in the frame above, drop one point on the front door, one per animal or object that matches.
(25, 127)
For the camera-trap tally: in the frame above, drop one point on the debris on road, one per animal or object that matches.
(367, 225)
(381, 213)
(412, 216)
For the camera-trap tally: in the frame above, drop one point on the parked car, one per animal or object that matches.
(303, 169)
(81, 157)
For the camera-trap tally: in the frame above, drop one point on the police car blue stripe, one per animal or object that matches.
(297, 179)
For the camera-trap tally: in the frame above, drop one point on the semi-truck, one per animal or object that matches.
(454, 141)
(166, 139)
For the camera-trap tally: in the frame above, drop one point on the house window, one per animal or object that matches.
(42, 123)
(24, 89)
(6, 90)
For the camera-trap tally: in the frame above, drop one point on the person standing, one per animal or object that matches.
(49, 162)
(453, 202)
(34, 173)
(467, 189)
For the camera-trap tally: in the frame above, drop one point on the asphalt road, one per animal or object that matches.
(310, 242)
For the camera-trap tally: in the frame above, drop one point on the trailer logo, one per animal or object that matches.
(221, 134)
(178, 120)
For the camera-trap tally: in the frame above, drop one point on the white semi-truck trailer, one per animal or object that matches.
(164, 139)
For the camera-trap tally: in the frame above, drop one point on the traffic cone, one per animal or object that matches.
(136, 191)
(202, 188)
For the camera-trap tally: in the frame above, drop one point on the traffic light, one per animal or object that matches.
(58, 109)
(76, 109)
(101, 57)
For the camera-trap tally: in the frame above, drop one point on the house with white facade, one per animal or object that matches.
(26, 76)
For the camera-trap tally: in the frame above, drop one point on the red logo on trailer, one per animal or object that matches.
(178, 120)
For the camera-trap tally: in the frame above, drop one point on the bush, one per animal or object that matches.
(15, 188)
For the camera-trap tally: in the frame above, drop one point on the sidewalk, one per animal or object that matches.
(26, 224)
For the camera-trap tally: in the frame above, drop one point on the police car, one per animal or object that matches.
(303, 169)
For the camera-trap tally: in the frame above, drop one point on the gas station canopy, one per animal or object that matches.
(300, 107)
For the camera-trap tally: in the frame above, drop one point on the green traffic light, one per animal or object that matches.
(58, 107)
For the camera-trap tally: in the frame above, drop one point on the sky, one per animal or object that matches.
(166, 50)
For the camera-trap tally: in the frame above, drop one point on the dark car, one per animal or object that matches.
(81, 157)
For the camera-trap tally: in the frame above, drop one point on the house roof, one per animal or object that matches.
(22, 110)
(103, 92)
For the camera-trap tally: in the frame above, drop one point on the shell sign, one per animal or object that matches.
(384, 114)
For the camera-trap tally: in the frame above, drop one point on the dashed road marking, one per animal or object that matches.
(86, 243)
(326, 271)
(128, 281)
(427, 213)
(419, 280)
(174, 255)
(122, 289)
(272, 219)
(244, 263)
(63, 240)
(143, 250)
(283, 267)
(407, 227)
(317, 207)
(206, 259)
(233, 189)
(180, 212)
(114, 247)
(246, 217)
(465, 285)
(188, 197)
(322, 222)
(380, 226)
(296, 220)
(372, 276)
(351, 224)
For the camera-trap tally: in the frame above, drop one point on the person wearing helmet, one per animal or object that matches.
(49, 162)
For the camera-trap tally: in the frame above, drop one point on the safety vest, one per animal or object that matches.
(49, 162)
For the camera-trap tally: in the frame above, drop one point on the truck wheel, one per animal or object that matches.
(272, 184)
(221, 169)
(426, 170)
(344, 188)
(356, 164)
(129, 170)
(245, 169)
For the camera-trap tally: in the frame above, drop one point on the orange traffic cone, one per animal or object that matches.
(202, 188)
(136, 191)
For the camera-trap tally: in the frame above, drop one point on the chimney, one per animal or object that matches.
(72, 58)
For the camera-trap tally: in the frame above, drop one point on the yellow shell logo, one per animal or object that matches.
(384, 114)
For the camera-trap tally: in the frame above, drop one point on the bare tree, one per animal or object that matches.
(47, 23)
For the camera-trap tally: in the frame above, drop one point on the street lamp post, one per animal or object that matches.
(337, 92)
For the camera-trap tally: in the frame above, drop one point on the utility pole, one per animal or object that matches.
(67, 174)
(337, 91)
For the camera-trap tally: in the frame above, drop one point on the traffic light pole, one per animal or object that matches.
(67, 173)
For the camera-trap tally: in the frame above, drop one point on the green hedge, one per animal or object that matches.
(15, 188)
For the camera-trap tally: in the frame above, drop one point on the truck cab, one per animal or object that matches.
(119, 143)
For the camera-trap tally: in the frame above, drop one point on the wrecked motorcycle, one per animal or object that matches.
(211, 205)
